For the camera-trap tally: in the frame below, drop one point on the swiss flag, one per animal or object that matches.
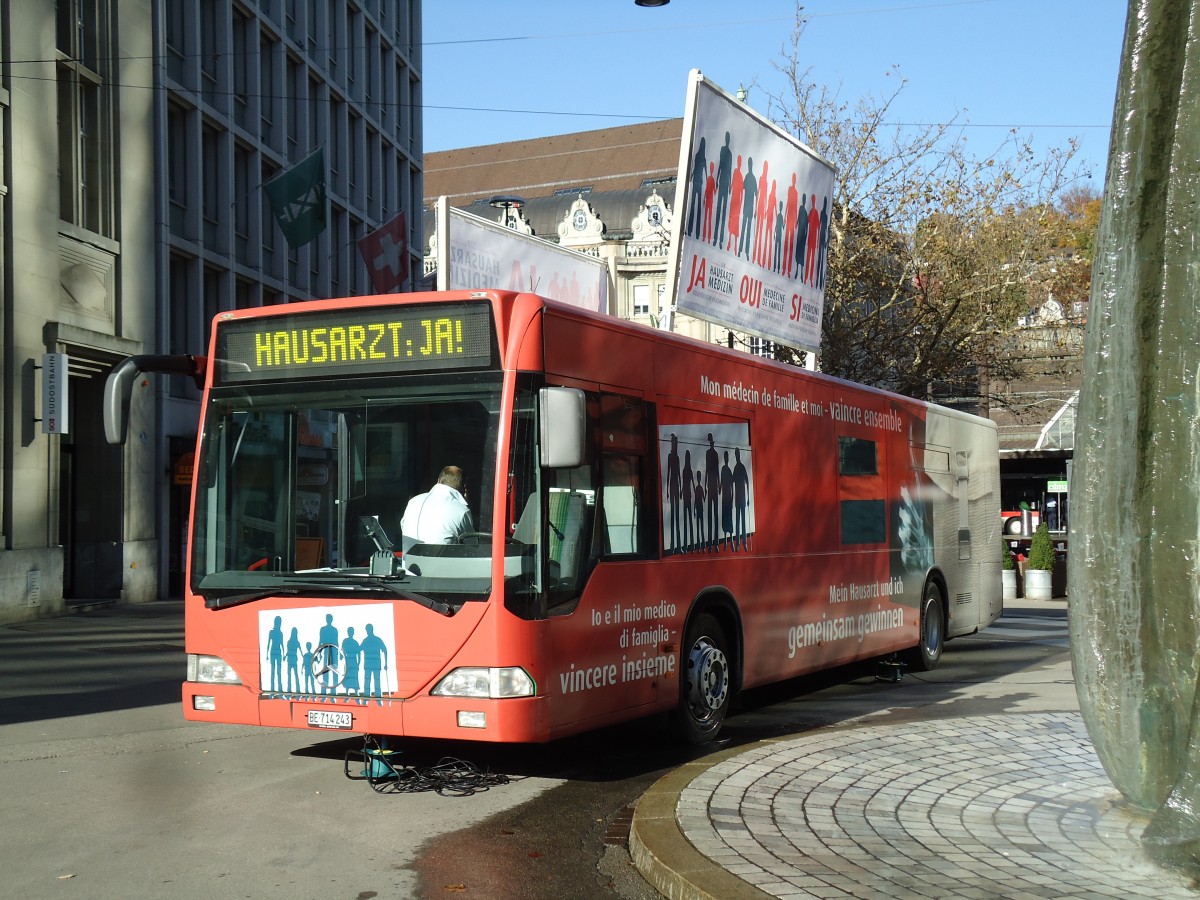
(385, 251)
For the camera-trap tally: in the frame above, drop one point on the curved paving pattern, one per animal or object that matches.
(1013, 806)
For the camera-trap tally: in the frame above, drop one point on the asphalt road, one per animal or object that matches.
(107, 792)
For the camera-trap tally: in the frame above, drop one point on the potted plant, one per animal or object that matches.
(1038, 572)
(1008, 572)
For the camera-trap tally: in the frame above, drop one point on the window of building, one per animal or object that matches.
(210, 190)
(641, 300)
(85, 133)
(268, 96)
(178, 183)
(176, 27)
(210, 55)
(244, 34)
(243, 166)
(184, 334)
(762, 347)
(213, 279)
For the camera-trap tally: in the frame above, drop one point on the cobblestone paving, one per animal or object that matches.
(1014, 806)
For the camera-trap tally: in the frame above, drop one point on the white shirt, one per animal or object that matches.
(436, 517)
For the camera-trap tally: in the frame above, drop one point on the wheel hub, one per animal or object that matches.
(708, 676)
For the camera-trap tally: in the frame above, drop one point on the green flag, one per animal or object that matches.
(298, 199)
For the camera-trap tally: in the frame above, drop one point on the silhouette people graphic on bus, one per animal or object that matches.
(327, 641)
(375, 661)
(293, 661)
(741, 499)
(672, 489)
(727, 504)
(686, 500)
(310, 685)
(350, 650)
(712, 489)
(275, 654)
(700, 533)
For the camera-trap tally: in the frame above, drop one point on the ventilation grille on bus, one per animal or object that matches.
(963, 599)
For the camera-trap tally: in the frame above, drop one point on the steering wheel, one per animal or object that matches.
(475, 538)
(479, 538)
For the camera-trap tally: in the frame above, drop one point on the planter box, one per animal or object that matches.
(1038, 584)
(1008, 578)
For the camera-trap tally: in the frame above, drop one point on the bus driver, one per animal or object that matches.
(439, 515)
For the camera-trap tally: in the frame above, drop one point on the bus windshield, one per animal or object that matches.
(301, 487)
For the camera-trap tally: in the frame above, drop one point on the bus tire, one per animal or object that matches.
(928, 653)
(705, 685)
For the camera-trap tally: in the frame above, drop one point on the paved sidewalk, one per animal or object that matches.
(1012, 805)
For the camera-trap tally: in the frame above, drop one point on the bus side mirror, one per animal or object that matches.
(562, 421)
(118, 389)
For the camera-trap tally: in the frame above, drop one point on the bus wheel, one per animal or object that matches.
(705, 683)
(928, 653)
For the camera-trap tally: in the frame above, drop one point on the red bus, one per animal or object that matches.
(660, 523)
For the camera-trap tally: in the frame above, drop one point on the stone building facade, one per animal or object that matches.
(136, 136)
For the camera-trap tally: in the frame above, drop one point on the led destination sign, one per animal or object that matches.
(355, 342)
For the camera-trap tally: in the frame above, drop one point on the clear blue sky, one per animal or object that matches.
(502, 70)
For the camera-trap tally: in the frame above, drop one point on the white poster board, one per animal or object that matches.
(752, 222)
(476, 254)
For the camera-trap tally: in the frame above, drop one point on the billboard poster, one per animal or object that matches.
(476, 254)
(752, 222)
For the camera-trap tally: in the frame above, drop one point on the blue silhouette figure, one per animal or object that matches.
(350, 650)
(310, 686)
(374, 656)
(327, 641)
(293, 661)
(275, 654)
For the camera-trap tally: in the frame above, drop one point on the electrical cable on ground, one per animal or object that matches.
(450, 777)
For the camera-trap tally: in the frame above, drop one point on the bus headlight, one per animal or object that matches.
(210, 670)
(479, 682)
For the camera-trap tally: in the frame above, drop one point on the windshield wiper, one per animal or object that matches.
(438, 606)
(214, 600)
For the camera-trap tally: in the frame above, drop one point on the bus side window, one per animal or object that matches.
(624, 443)
(570, 549)
(622, 492)
(863, 511)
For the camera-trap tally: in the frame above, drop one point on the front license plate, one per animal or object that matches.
(323, 718)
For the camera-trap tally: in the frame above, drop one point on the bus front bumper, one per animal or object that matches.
(510, 720)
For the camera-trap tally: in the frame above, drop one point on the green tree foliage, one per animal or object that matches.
(1041, 550)
(931, 247)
